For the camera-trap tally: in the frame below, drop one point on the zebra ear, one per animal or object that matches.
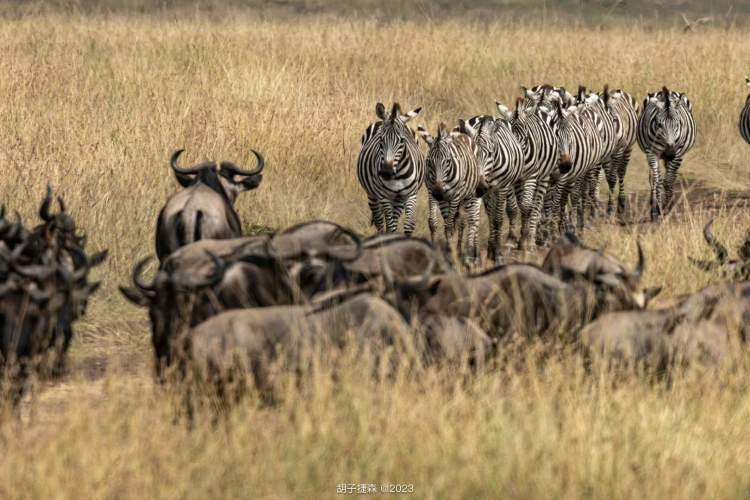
(380, 110)
(425, 135)
(467, 129)
(411, 114)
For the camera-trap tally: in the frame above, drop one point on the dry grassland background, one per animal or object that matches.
(96, 103)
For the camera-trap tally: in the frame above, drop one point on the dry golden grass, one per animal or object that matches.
(95, 105)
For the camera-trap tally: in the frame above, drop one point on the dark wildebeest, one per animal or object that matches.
(205, 208)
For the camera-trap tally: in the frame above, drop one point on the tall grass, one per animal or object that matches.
(95, 105)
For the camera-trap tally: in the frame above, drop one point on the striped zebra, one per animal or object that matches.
(605, 139)
(666, 131)
(452, 180)
(391, 169)
(501, 159)
(745, 117)
(625, 112)
(530, 126)
(580, 148)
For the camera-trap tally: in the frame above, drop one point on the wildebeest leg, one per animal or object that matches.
(377, 214)
(655, 182)
(669, 178)
(432, 219)
(410, 216)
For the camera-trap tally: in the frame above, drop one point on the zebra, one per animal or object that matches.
(452, 180)
(604, 137)
(624, 110)
(530, 126)
(745, 117)
(391, 169)
(580, 147)
(501, 159)
(666, 131)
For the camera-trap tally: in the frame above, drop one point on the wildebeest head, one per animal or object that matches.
(315, 254)
(734, 268)
(394, 133)
(228, 179)
(570, 261)
(170, 298)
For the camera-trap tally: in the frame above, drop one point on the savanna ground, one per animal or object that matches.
(95, 103)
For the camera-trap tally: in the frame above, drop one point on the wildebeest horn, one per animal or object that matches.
(357, 241)
(719, 249)
(44, 208)
(235, 170)
(641, 266)
(137, 271)
(186, 171)
(61, 203)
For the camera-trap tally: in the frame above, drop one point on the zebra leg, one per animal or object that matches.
(377, 214)
(536, 212)
(655, 181)
(432, 220)
(622, 167)
(448, 211)
(669, 177)
(396, 211)
(386, 208)
(472, 207)
(562, 207)
(594, 183)
(410, 216)
(526, 201)
(577, 200)
(514, 212)
(610, 173)
(490, 208)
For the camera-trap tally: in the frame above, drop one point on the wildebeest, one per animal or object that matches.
(703, 327)
(44, 289)
(522, 298)
(224, 349)
(735, 269)
(205, 207)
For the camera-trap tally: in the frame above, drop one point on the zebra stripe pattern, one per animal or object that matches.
(745, 117)
(624, 110)
(666, 131)
(530, 126)
(452, 179)
(391, 169)
(605, 139)
(500, 158)
(580, 148)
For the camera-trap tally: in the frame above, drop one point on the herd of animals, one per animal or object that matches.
(225, 307)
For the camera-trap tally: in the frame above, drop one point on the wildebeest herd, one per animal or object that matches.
(224, 307)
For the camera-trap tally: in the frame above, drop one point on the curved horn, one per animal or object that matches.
(137, 271)
(61, 203)
(186, 171)
(641, 266)
(44, 208)
(357, 241)
(718, 249)
(233, 169)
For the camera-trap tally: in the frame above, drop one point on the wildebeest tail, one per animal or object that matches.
(198, 228)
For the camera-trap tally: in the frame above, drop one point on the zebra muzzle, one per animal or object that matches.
(565, 164)
(669, 153)
(438, 192)
(482, 188)
(387, 171)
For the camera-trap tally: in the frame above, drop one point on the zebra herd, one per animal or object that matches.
(539, 164)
